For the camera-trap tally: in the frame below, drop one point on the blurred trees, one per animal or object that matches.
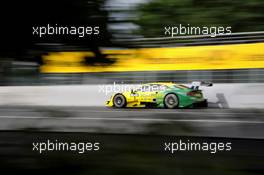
(242, 16)
(18, 18)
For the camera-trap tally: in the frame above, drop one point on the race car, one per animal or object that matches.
(161, 95)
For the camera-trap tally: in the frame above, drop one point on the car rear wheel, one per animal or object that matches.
(171, 101)
(119, 101)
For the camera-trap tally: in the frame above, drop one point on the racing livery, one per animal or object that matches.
(161, 95)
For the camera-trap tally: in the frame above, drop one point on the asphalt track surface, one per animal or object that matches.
(230, 123)
(131, 140)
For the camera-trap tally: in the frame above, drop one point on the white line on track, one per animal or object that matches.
(137, 119)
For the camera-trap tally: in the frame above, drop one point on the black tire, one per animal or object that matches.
(171, 101)
(119, 101)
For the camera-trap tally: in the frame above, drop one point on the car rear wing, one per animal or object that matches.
(196, 84)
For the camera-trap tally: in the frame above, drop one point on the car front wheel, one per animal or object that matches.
(119, 101)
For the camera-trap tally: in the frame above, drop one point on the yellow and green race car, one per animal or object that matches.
(161, 95)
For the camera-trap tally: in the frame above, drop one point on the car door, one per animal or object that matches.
(149, 92)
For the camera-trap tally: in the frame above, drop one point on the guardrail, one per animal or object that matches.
(191, 40)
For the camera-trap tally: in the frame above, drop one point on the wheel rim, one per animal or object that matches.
(118, 100)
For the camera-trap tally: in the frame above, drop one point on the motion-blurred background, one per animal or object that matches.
(127, 29)
(49, 85)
